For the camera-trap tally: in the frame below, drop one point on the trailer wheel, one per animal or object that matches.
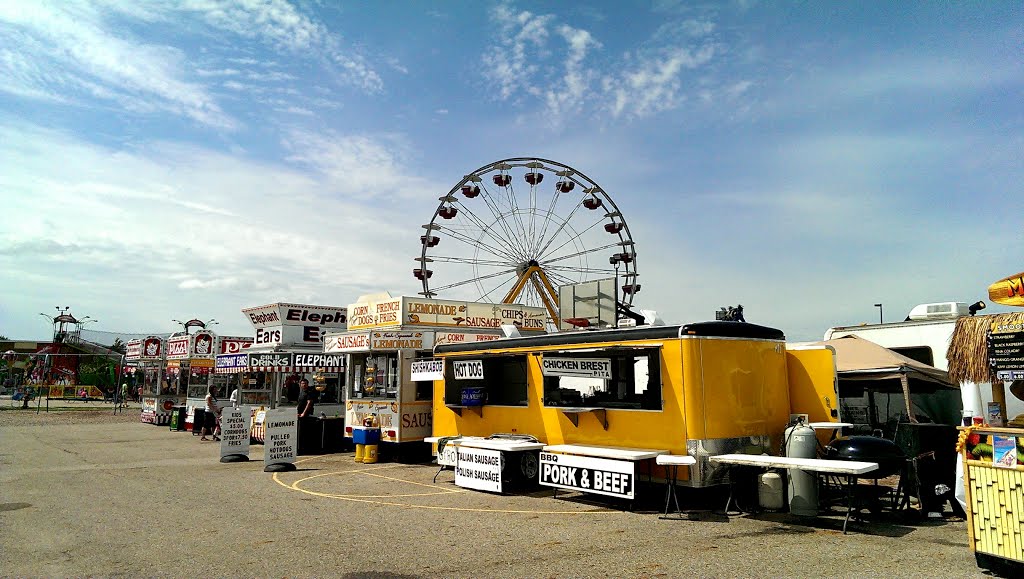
(528, 466)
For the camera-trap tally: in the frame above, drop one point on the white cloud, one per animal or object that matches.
(526, 63)
(128, 231)
(73, 38)
(511, 64)
(650, 84)
(358, 165)
(282, 25)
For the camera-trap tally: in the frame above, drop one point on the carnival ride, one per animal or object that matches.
(500, 242)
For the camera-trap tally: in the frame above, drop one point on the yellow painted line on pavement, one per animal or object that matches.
(375, 500)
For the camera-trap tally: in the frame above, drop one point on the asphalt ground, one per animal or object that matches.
(91, 493)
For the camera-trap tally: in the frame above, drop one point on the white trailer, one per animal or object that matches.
(925, 337)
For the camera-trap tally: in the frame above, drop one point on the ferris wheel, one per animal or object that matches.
(515, 230)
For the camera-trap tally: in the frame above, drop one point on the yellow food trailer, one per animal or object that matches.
(698, 389)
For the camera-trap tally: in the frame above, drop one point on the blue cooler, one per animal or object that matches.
(365, 435)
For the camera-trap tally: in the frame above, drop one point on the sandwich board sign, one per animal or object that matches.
(281, 441)
(234, 434)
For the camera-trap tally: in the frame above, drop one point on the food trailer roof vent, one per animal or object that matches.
(939, 311)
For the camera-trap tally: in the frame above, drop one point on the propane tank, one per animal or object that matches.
(769, 491)
(803, 486)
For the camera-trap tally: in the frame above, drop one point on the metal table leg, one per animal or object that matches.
(670, 490)
(851, 487)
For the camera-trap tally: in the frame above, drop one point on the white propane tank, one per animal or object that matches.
(769, 491)
(803, 486)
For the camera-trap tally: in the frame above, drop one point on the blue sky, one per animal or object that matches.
(164, 160)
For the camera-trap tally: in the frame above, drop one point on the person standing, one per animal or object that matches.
(212, 414)
(306, 397)
(124, 394)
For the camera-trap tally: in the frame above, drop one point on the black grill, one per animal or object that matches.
(886, 453)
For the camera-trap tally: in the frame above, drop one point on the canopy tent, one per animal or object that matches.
(875, 373)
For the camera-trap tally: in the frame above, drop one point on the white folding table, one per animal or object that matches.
(849, 469)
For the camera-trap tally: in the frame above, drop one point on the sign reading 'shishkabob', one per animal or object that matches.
(408, 311)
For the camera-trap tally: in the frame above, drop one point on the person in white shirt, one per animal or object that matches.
(212, 416)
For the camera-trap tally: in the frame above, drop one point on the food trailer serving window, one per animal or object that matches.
(500, 379)
(374, 375)
(614, 378)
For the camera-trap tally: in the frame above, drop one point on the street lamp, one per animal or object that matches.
(879, 306)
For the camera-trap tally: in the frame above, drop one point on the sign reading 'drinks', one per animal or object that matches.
(590, 475)
(577, 367)
(468, 369)
(479, 469)
(234, 429)
(281, 436)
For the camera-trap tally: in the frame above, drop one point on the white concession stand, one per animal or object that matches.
(391, 370)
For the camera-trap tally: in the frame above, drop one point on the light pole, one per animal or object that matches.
(879, 306)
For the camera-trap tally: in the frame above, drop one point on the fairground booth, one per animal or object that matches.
(613, 400)
(194, 359)
(391, 369)
(991, 349)
(148, 357)
(288, 347)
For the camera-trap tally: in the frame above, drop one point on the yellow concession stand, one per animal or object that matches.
(699, 389)
(991, 349)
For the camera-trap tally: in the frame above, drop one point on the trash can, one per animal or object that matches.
(310, 436)
(198, 416)
(178, 415)
(332, 437)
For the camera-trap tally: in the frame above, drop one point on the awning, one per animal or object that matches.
(289, 362)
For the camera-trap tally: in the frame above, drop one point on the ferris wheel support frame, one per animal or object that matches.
(542, 284)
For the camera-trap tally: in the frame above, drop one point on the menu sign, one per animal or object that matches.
(133, 350)
(281, 314)
(281, 438)
(232, 361)
(479, 469)
(233, 345)
(354, 342)
(270, 360)
(419, 311)
(463, 338)
(468, 369)
(234, 428)
(177, 348)
(577, 367)
(602, 476)
(319, 360)
(375, 314)
(427, 370)
(401, 340)
(1006, 350)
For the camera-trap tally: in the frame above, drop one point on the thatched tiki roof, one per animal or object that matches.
(968, 348)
